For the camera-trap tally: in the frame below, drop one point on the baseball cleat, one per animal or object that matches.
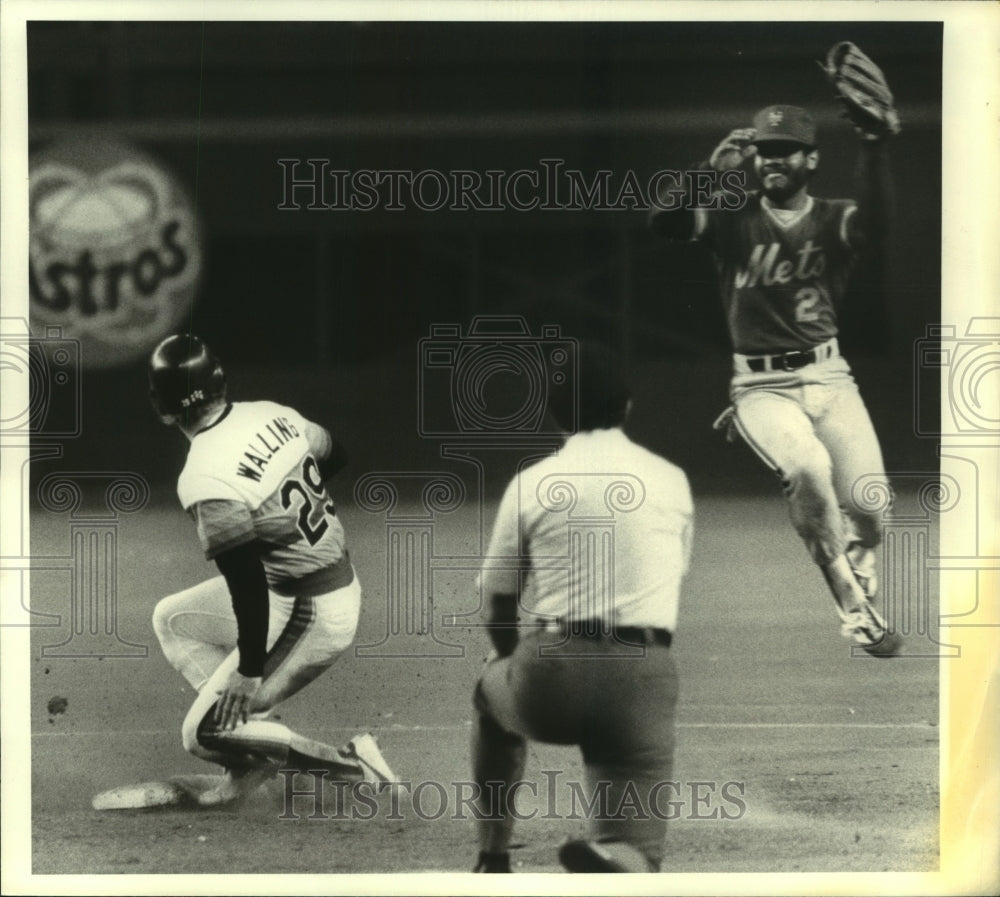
(237, 783)
(865, 627)
(889, 646)
(364, 749)
(610, 856)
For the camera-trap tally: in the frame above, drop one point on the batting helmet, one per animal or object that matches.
(184, 374)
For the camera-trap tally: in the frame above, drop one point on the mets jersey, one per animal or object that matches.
(781, 274)
(253, 475)
(603, 529)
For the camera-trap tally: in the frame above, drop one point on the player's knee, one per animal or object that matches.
(163, 625)
(193, 730)
(868, 512)
(162, 615)
(809, 469)
(189, 737)
(489, 727)
(493, 733)
(189, 732)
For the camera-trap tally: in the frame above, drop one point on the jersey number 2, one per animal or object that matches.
(805, 304)
(313, 496)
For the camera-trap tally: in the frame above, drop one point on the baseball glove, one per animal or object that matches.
(862, 90)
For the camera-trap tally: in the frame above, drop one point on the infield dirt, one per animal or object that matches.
(830, 762)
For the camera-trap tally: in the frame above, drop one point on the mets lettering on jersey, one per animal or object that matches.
(765, 268)
(253, 475)
(782, 276)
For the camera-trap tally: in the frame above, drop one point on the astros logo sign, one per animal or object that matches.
(114, 249)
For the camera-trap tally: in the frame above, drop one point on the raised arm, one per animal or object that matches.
(862, 90)
(869, 227)
(681, 222)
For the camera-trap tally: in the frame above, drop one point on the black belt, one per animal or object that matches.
(597, 629)
(790, 361)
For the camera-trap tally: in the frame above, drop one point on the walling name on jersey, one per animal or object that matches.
(281, 432)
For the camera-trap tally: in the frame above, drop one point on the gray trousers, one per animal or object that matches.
(617, 703)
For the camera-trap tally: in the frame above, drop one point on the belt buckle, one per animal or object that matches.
(792, 361)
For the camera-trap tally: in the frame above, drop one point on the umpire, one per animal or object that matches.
(581, 587)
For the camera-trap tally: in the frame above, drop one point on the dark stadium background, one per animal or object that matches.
(324, 309)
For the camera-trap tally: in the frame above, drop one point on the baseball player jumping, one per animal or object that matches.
(287, 602)
(783, 262)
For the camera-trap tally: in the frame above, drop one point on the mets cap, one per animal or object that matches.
(786, 123)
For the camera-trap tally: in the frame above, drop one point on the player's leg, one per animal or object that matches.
(782, 435)
(498, 758)
(859, 479)
(777, 427)
(256, 749)
(196, 629)
(529, 695)
(844, 426)
(628, 755)
(306, 635)
(315, 634)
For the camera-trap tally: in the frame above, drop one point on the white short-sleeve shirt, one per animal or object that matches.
(602, 530)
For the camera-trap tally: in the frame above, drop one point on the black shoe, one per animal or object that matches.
(865, 627)
(493, 862)
(613, 856)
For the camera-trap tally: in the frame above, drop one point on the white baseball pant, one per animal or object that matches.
(812, 428)
(197, 631)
